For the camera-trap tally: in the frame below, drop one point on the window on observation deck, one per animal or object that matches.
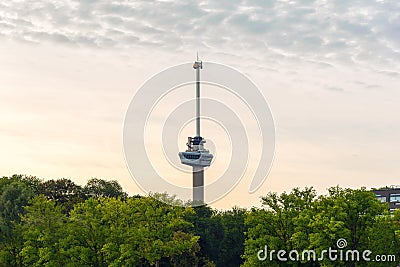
(192, 156)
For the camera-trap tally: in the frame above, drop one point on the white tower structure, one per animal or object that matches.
(196, 155)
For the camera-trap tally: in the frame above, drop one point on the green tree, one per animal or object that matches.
(348, 214)
(382, 239)
(63, 191)
(43, 228)
(14, 195)
(101, 188)
(232, 244)
(300, 221)
(86, 234)
(163, 230)
(131, 232)
(209, 228)
(279, 225)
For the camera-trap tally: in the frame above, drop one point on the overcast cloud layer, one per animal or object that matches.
(329, 31)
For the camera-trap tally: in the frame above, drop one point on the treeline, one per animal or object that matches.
(59, 223)
(344, 219)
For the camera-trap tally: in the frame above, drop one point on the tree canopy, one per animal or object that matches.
(60, 223)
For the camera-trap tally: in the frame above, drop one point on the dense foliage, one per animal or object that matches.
(59, 223)
(301, 221)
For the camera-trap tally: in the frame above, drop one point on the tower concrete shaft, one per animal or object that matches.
(198, 185)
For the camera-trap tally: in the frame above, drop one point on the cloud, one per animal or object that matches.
(334, 88)
(390, 73)
(344, 31)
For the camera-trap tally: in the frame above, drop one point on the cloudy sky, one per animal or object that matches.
(330, 71)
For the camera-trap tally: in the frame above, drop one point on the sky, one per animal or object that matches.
(330, 71)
